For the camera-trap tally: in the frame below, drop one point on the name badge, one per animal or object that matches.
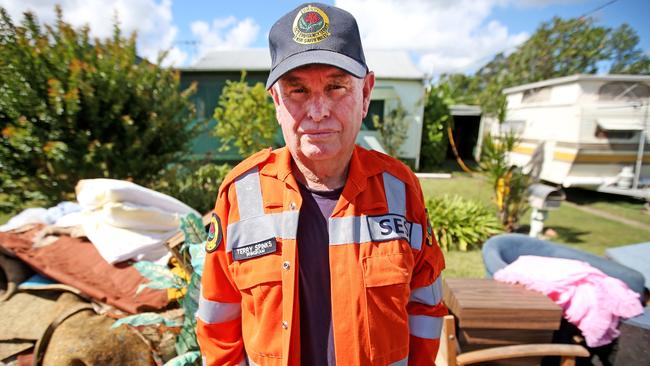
(389, 227)
(255, 250)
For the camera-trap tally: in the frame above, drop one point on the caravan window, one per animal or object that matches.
(623, 91)
(537, 95)
(602, 133)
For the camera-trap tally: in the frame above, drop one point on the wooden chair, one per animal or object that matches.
(448, 353)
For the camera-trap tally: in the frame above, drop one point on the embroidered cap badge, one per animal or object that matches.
(311, 25)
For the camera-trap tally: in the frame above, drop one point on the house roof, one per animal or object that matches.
(575, 78)
(385, 64)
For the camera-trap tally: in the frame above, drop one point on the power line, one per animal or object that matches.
(597, 8)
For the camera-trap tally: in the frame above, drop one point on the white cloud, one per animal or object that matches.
(151, 19)
(223, 34)
(543, 3)
(447, 36)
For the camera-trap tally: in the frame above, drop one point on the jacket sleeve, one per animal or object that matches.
(219, 314)
(425, 307)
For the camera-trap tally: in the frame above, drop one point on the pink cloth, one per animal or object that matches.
(589, 298)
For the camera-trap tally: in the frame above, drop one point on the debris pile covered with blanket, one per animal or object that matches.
(118, 269)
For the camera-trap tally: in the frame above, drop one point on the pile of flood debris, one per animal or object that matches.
(107, 280)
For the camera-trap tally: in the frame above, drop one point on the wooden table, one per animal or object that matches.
(491, 313)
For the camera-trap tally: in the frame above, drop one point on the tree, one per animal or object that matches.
(559, 47)
(393, 130)
(437, 118)
(245, 117)
(626, 57)
(73, 108)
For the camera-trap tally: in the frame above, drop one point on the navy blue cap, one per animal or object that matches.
(315, 33)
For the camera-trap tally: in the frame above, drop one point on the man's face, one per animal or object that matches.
(320, 109)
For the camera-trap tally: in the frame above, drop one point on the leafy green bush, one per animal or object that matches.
(437, 118)
(195, 183)
(245, 117)
(72, 107)
(461, 224)
(510, 184)
(393, 129)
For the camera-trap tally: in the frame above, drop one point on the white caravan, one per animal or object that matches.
(586, 131)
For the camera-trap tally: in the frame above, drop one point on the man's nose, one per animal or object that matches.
(318, 107)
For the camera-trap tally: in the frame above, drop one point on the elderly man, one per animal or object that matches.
(320, 252)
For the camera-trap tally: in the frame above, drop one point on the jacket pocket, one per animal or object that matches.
(259, 281)
(386, 280)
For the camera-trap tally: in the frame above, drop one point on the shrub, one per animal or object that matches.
(510, 184)
(461, 224)
(437, 118)
(196, 183)
(393, 129)
(72, 107)
(245, 117)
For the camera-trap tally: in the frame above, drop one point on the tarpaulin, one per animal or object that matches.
(76, 262)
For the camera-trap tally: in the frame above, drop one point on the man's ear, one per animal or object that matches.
(275, 94)
(368, 84)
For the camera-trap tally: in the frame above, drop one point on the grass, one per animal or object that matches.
(578, 229)
(626, 207)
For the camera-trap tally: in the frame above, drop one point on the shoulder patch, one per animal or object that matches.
(215, 235)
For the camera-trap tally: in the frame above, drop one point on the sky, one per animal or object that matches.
(442, 36)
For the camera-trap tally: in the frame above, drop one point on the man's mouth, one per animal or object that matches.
(319, 134)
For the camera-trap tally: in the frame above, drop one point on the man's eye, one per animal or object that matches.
(336, 87)
(298, 91)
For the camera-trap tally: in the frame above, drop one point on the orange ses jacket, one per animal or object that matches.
(384, 267)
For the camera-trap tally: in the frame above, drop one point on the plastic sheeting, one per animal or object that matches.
(50, 216)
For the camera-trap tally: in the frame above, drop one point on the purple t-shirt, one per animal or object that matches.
(314, 276)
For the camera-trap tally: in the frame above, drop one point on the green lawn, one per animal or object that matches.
(574, 227)
(626, 207)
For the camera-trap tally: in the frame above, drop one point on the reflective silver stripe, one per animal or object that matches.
(249, 195)
(348, 230)
(243, 362)
(416, 236)
(204, 361)
(213, 312)
(425, 326)
(283, 225)
(355, 230)
(428, 295)
(402, 362)
(395, 194)
(251, 362)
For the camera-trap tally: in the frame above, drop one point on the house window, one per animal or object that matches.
(537, 95)
(623, 91)
(376, 108)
